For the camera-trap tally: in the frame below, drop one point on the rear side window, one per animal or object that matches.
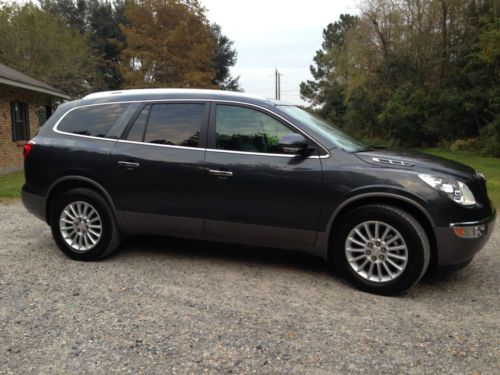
(95, 121)
(176, 124)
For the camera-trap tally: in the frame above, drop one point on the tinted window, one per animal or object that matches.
(245, 129)
(136, 133)
(338, 137)
(175, 124)
(95, 120)
(120, 125)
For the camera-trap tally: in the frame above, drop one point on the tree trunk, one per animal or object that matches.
(444, 40)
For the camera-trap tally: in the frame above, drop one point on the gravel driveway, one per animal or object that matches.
(177, 306)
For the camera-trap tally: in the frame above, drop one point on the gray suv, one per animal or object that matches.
(225, 166)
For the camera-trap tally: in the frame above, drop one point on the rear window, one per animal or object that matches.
(95, 121)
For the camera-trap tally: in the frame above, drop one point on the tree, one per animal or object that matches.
(415, 72)
(40, 45)
(101, 21)
(328, 88)
(169, 44)
(225, 57)
(73, 12)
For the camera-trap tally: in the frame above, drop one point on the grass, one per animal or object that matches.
(10, 185)
(489, 166)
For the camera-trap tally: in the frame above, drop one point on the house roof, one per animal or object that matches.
(14, 78)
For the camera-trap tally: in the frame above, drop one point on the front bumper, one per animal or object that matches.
(34, 203)
(454, 250)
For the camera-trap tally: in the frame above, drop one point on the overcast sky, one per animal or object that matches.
(274, 33)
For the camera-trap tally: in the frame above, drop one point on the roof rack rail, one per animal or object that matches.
(105, 94)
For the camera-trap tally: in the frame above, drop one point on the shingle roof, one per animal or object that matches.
(12, 77)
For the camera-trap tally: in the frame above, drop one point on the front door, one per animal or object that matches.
(254, 192)
(157, 169)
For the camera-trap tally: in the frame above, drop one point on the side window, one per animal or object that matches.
(95, 121)
(20, 121)
(136, 132)
(245, 129)
(176, 124)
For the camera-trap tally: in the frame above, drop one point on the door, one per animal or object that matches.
(255, 192)
(157, 169)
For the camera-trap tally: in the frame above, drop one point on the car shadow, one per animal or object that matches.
(442, 276)
(245, 255)
(227, 252)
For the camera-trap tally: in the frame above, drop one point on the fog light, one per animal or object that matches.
(475, 231)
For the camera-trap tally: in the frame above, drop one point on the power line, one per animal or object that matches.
(304, 51)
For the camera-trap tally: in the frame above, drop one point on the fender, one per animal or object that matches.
(355, 198)
(83, 179)
(324, 237)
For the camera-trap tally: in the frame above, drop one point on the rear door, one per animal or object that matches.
(158, 168)
(254, 192)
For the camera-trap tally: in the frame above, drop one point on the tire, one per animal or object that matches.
(399, 262)
(98, 235)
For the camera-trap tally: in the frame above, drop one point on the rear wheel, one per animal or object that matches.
(381, 249)
(83, 225)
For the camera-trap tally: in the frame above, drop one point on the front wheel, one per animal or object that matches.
(83, 226)
(381, 249)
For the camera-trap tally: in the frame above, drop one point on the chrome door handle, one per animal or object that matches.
(128, 164)
(215, 172)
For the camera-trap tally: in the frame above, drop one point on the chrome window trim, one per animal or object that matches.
(218, 150)
(56, 130)
(266, 154)
(161, 145)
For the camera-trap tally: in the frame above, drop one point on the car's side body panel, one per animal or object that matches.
(278, 192)
(167, 182)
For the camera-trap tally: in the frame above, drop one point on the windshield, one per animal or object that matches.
(338, 137)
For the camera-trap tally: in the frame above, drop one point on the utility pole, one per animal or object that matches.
(277, 84)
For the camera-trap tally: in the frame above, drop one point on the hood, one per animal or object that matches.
(403, 159)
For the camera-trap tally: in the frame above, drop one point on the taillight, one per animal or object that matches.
(28, 147)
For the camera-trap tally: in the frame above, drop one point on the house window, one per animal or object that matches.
(20, 121)
(43, 113)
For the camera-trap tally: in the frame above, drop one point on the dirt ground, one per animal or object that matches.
(175, 306)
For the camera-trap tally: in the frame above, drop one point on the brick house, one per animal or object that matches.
(25, 103)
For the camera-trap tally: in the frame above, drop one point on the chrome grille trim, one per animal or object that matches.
(392, 162)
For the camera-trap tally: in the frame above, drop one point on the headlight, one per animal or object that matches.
(454, 189)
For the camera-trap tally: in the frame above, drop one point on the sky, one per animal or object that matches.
(275, 34)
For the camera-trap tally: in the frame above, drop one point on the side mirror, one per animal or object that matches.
(293, 144)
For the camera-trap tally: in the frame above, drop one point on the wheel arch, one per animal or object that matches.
(406, 204)
(72, 182)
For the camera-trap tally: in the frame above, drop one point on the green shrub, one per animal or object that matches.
(490, 138)
(465, 145)
(373, 140)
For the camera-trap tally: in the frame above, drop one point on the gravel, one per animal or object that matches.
(179, 306)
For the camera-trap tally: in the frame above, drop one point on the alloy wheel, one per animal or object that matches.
(81, 226)
(376, 251)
